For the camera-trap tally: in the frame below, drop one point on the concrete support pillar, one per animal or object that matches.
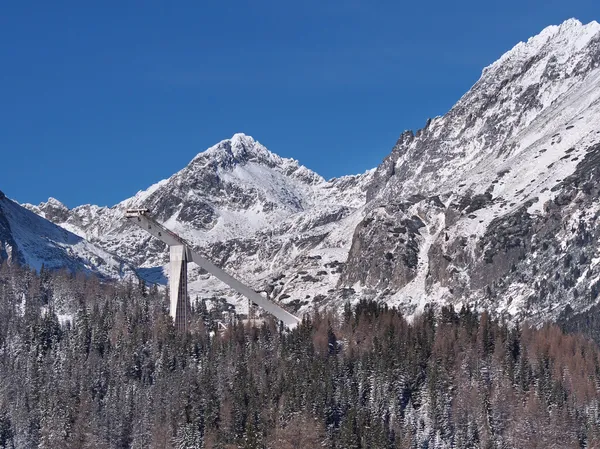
(179, 308)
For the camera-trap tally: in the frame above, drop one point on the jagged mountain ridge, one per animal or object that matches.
(487, 204)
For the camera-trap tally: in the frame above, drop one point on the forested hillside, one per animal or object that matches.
(91, 365)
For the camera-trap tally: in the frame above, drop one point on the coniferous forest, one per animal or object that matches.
(87, 364)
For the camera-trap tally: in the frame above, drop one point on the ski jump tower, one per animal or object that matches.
(181, 253)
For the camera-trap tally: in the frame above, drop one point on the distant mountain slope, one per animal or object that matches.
(31, 240)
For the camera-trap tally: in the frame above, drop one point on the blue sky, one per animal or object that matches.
(102, 99)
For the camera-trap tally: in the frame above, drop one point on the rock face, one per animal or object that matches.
(494, 204)
(513, 165)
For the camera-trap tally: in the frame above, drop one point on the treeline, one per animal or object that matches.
(90, 365)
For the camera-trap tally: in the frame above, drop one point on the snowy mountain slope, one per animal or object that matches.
(31, 240)
(458, 211)
(494, 204)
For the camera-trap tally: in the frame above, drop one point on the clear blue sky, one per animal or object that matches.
(102, 99)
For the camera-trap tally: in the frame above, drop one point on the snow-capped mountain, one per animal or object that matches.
(257, 214)
(494, 204)
(31, 240)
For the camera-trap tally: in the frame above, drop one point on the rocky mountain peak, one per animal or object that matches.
(52, 210)
(235, 190)
(240, 150)
(54, 202)
(557, 42)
